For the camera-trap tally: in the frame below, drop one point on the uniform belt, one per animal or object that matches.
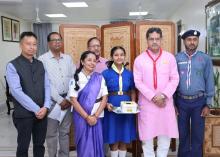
(119, 93)
(190, 97)
(98, 100)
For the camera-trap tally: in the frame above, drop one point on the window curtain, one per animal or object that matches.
(42, 30)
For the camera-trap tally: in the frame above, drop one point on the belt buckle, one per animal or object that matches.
(185, 97)
(191, 97)
(120, 93)
(200, 95)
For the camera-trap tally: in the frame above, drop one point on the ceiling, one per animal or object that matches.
(98, 10)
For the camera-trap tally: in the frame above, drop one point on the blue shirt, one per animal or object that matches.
(13, 80)
(196, 75)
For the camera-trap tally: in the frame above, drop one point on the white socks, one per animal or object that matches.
(122, 153)
(118, 153)
(114, 153)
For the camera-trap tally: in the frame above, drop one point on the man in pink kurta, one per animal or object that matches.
(156, 77)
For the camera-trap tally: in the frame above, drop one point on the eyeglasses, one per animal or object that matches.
(93, 46)
(56, 40)
(154, 39)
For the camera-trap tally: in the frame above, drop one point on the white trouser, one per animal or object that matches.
(163, 144)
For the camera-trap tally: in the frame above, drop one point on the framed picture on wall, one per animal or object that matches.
(6, 29)
(15, 29)
(212, 10)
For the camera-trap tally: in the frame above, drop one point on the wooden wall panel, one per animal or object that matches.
(75, 38)
(168, 31)
(118, 34)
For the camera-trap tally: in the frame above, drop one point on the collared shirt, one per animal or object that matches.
(154, 55)
(60, 71)
(101, 65)
(17, 92)
(196, 74)
(83, 80)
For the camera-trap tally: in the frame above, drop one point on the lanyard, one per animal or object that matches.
(189, 69)
(155, 67)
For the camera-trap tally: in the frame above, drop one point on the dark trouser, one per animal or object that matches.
(191, 126)
(27, 127)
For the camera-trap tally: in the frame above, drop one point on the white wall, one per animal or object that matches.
(192, 14)
(8, 51)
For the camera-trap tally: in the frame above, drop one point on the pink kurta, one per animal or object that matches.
(152, 120)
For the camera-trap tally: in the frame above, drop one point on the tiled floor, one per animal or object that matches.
(8, 136)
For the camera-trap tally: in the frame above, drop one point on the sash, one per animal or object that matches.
(88, 139)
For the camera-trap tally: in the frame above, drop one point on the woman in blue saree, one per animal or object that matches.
(88, 95)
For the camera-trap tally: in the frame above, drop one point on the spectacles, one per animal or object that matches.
(93, 46)
(154, 39)
(56, 40)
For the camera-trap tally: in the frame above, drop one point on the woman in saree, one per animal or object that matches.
(88, 95)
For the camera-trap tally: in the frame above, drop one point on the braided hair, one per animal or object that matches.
(84, 55)
(113, 50)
